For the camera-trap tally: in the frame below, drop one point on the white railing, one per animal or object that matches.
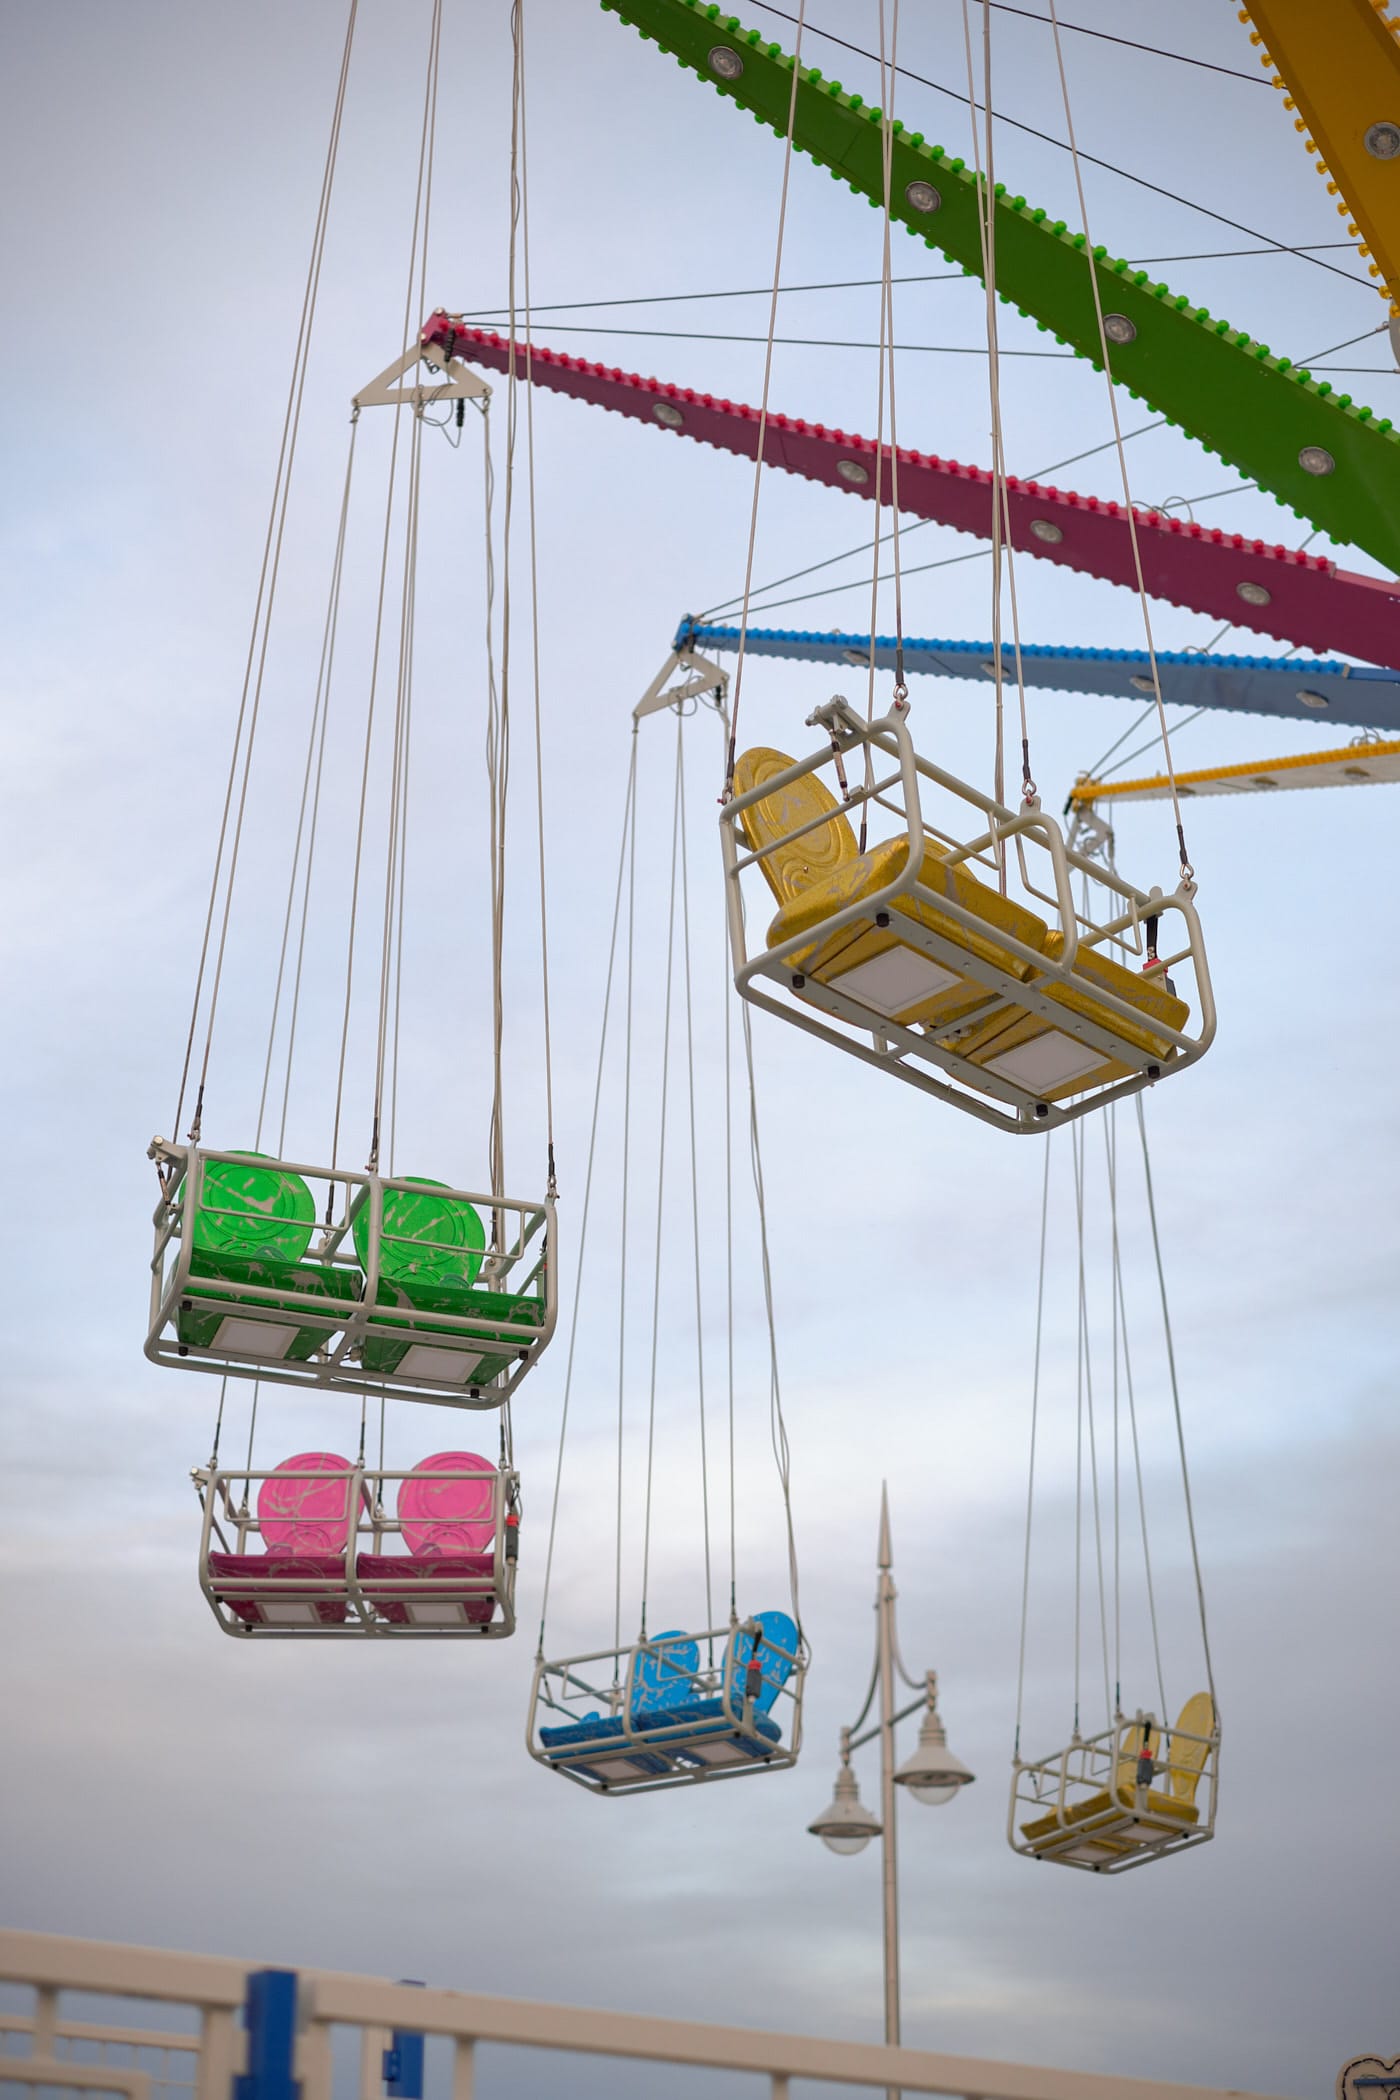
(215, 1990)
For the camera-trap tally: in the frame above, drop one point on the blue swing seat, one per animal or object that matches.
(694, 1733)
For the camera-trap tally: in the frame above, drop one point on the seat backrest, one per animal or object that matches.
(1197, 1718)
(792, 868)
(776, 1651)
(251, 1209)
(312, 1514)
(426, 1238)
(663, 1672)
(448, 1516)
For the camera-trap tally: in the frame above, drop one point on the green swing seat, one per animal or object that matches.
(430, 1254)
(253, 1227)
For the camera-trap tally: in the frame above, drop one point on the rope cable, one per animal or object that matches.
(661, 1178)
(518, 35)
(1122, 1329)
(1002, 551)
(729, 1270)
(1035, 1433)
(587, 1193)
(1086, 1416)
(398, 775)
(424, 175)
(763, 405)
(1187, 873)
(1176, 1396)
(263, 607)
(626, 1177)
(694, 1162)
(782, 1451)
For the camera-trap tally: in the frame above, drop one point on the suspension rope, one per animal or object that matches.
(1176, 1393)
(588, 1193)
(250, 700)
(1086, 1417)
(1187, 872)
(885, 369)
(1002, 551)
(518, 44)
(310, 803)
(395, 859)
(398, 775)
(694, 1161)
(782, 1452)
(496, 1138)
(1035, 1432)
(1121, 1328)
(661, 1176)
(326, 683)
(1110, 1140)
(763, 402)
(626, 1177)
(421, 196)
(729, 1270)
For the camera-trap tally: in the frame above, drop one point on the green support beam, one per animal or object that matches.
(1333, 463)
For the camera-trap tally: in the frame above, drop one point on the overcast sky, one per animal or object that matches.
(374, 1809)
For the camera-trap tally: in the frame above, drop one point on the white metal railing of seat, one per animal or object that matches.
(267, 2035)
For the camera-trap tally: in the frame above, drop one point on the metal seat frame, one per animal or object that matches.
(862, 1032)
(230, 1523)
(562, 1689)
(520, 1258)
(1124, 1833)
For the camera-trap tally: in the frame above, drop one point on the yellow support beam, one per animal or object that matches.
(1338, 63)
(1366, 762)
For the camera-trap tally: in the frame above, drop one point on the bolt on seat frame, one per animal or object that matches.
(362, 1588)
(1096, 1804)
(332, 1320)
(631, 1740)
(1066, 984)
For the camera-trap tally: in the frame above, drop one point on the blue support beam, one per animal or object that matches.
(1295, 688)
(403, 2059)
(270, 2016)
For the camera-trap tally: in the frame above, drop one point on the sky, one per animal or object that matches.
(372, 1807)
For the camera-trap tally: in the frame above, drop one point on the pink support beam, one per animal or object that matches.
(1303, 599)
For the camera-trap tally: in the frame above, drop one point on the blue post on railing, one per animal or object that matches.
(270, 2016)
(403, 2059)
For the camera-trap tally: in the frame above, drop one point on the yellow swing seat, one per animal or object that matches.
(1029, 1049)
(822, 872)
(1112, 1824)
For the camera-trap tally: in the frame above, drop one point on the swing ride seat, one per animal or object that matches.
(455, 1516)
(305, 1518)
(451, 1574)
(1108, 1827)
(939, 966)
(388, 1300)
(679, 1723)
(233, 1320)
(520, 1320)
(1029, 1048)
(282, 1590)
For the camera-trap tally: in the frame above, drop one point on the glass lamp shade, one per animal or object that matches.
(847, 1826)
(932, 1772)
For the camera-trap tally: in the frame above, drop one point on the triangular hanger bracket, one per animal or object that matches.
(704, 677)
(457, 383)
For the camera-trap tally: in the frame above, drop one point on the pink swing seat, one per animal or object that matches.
(446, 1577)
(306, 1523)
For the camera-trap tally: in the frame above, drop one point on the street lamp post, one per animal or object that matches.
(931, 1773)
